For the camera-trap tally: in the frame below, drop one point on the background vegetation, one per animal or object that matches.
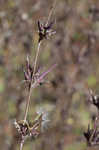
(75, 48)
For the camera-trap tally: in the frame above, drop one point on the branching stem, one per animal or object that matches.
(29, 96)
(34, 71)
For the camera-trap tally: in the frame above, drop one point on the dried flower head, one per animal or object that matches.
(39, 78)
(28, 129)
(45, 30)
(35, 79)
(92, 136)
(94, 99)
(22, 128)
(88, 134)
(29, 77)
(35, 127)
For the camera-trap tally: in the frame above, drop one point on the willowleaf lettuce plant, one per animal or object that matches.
(33, 77)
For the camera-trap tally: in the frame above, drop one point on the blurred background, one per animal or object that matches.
(75, 48)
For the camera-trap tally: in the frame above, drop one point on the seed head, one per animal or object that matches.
(45, 31)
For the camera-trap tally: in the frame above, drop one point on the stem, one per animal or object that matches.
(29, 96)
(27, 104)
(35, 64)
(50, 13)
(36, 58)
(21, 145)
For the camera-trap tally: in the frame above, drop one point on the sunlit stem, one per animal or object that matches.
(21, 144)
